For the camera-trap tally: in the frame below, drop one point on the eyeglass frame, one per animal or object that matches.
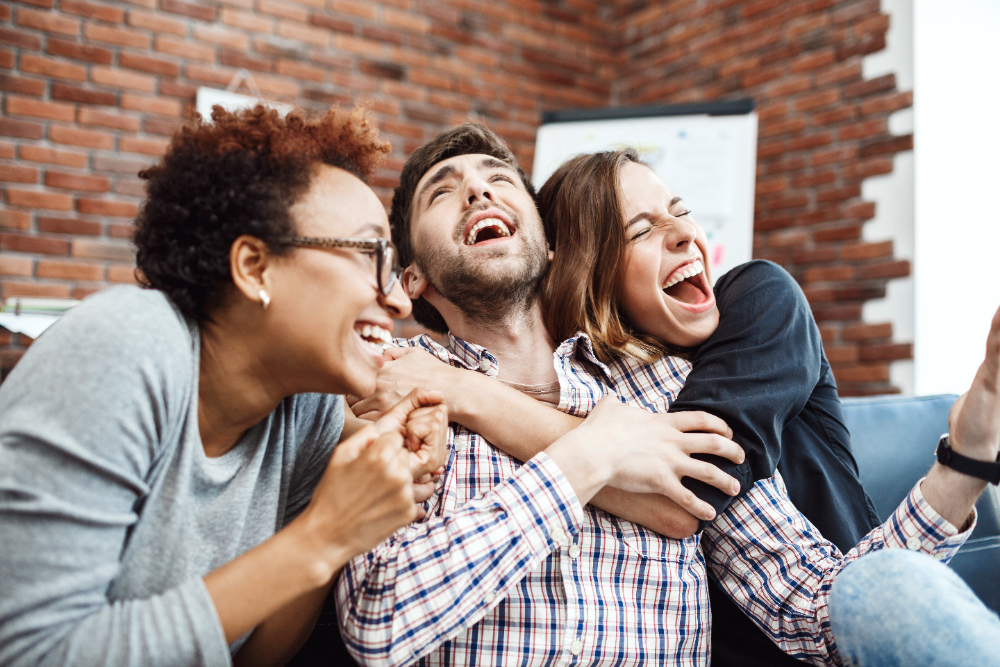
(375, 246)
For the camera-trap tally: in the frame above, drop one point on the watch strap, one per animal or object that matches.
(986, 470)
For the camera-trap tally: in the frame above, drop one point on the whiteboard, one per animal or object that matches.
(710, 161)
(209, 97)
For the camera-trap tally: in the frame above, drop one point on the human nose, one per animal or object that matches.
(681, 233)
(478, 191)
(396, 303)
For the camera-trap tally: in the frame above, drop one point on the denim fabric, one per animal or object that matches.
(899, 608)
(764, 372)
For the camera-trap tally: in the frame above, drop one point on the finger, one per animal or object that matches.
(393, 353)
(396, 416)
(700, 421)
(710, 474)
(686, 498)
(709, 443)
(351, 399)
(422, 492)
(349, 449)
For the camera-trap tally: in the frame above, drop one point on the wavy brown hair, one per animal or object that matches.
(237, 175)
(582, 208)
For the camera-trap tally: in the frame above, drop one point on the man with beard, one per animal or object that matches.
(508, 566)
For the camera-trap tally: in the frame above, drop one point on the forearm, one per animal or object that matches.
(279, 637)
(438, 577)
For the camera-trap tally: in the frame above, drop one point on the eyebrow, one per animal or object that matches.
(646, 215)
(441, 174)
(494, 163)
(374, 227)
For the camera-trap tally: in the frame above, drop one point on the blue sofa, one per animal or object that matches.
(893, 440)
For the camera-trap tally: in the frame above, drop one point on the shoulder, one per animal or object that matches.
(124, 314)
(756, 274)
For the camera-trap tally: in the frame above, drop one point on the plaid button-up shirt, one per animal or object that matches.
(508, 569)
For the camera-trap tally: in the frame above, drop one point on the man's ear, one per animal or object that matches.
(249, 260)
(414, 282)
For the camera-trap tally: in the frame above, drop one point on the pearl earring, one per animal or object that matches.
(265, 299)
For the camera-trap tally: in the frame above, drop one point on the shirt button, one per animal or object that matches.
(484, 364)
(576, 647)
(459, 445)
(940, 555)
(913, 543)
(557, 535)
(489, 597)
(574, 551)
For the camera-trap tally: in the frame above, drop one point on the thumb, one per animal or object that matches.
(393, 353)
(394, 419)
(349, 449)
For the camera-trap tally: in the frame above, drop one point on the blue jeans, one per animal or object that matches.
(897, 607)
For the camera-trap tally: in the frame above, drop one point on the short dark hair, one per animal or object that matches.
(464, 139)
(238, 175)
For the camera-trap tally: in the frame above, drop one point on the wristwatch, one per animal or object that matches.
(947, 456)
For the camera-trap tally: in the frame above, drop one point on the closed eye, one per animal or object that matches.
(641, 233)
(433, 195)
(501, 177)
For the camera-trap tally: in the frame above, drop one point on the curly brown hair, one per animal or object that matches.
(237, 175)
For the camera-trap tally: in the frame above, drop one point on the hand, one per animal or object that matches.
(405, 369)
(642, 452)
(422, 420)
(974, 420)
(364, 496)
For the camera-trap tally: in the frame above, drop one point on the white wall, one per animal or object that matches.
(893, 192)
(957, 177)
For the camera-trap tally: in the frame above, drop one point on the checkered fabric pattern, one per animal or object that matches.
(508, 569)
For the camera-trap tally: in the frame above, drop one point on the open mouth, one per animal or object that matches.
(373, 335)
(688, 285)
(488, 229)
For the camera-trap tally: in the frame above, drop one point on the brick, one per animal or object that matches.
(841, 354)
(408, 21)
(863, 210)
(839, 73)
(300, 71)
(21, 129)
(6, 150)
(305, 33)
(160, 126)
(184, 48)
(278, 85)
(887, 103)
(17, 84)
(870, 167)
(90, 53)
(148, 64)
(836, 313)
(110, 76)
(174, 89)
(886, 352)
(15, 219)
(336, 25)
(195, 11)
(16, 266)
(92, 10)
(879, 84)
(239, 60)
(79, 292)
(246, 20)
(810, 141)
(54, 68)
(106, 207)
(156, 22)
(811, 61)
(20, 39)
(62, 91)
(122, 273)
(12, 173)
(26, 106)
(861, 251)
(862, 373)
(209, 73)
(285, 10)
(232, 39)
(119, 36)
(829, 273)
(360, 9)
(820, 99)
(883, 146)
(35, 199)
(157, 105)
(121, 231)
(6, 58)
(848, 232)
(73, 226)
(130, 187)
(814, 255)
(118, 164)
(55, 179)
(867, 331)
(897, 269)
(15, 288)
(69, 270)
(863, 129)
(35, 244)
(75, 136)
(117, 252)
(47, 21)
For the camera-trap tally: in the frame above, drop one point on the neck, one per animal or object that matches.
(236, 390)
(519, 341)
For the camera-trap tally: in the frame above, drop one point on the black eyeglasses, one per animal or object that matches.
(386, 258)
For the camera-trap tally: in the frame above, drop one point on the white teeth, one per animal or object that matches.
(688, 271)
(375, 336)
(496, 223)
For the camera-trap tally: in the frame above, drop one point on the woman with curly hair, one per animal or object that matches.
(169, 489)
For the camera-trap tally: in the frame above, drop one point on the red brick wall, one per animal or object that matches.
(91, 91)
(823, 129)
